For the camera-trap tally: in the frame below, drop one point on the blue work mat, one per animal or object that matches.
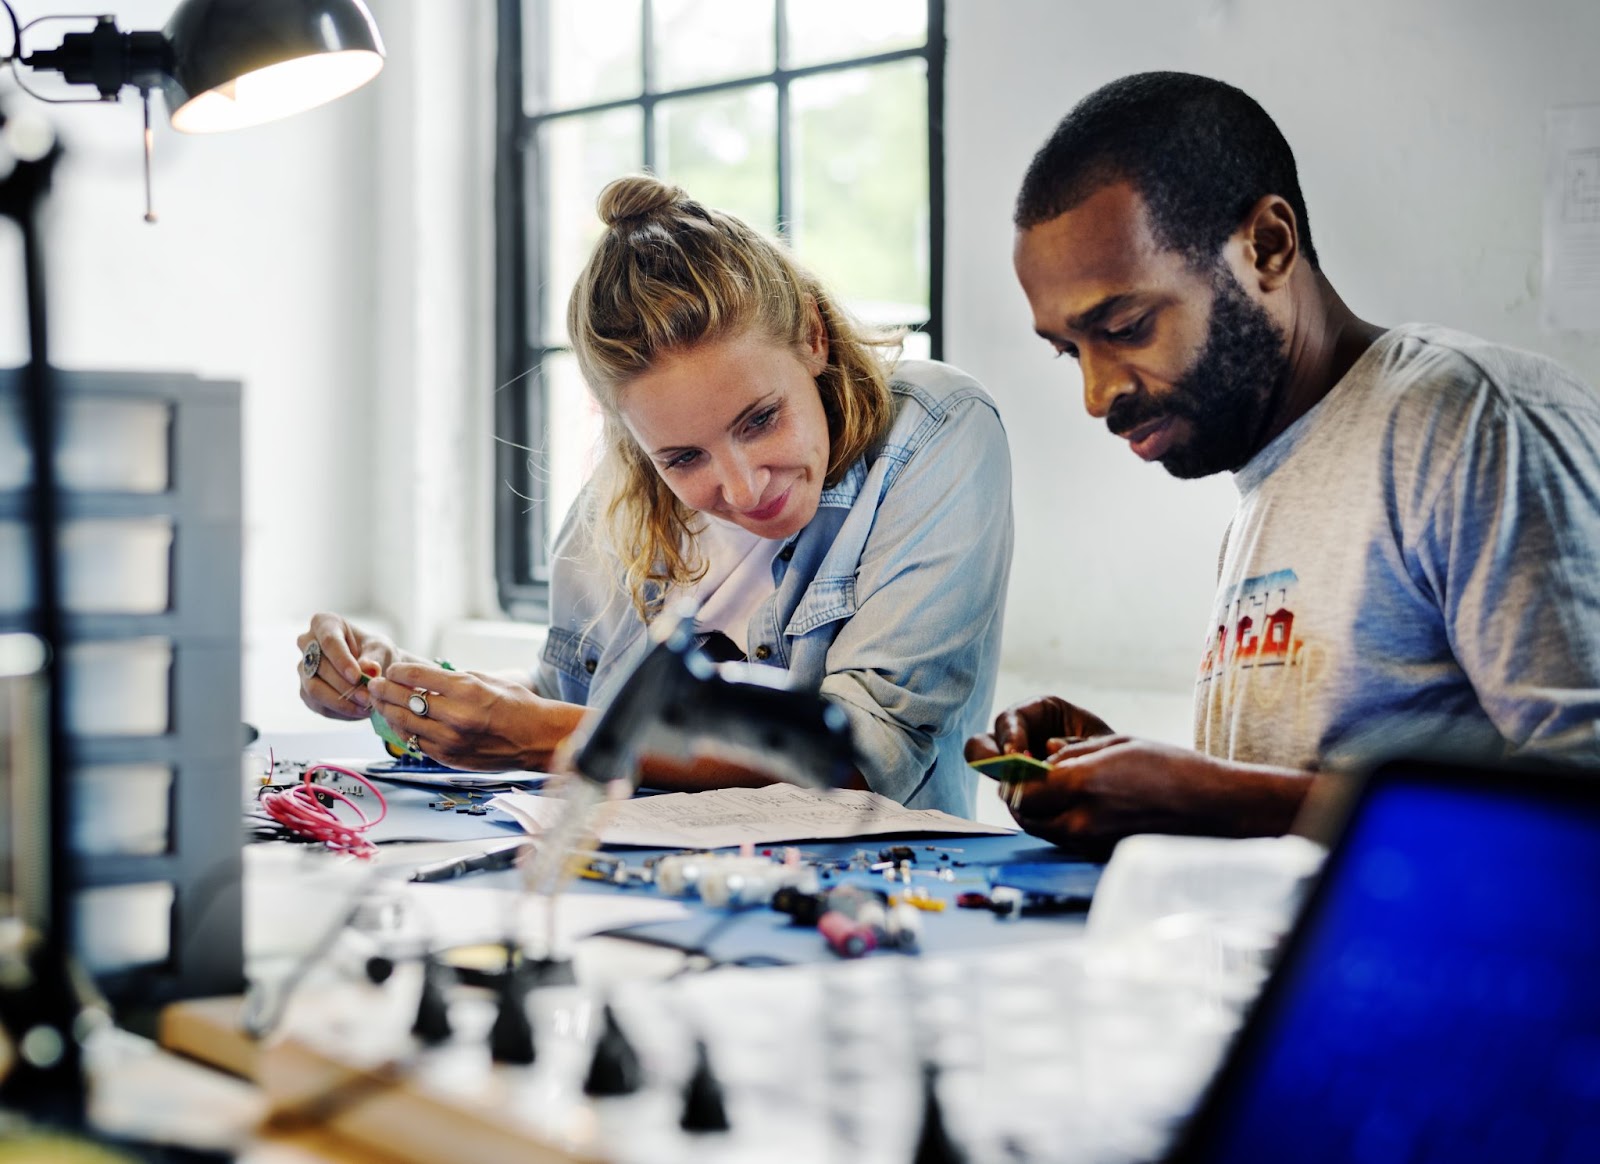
(760, 936)
(426, 813)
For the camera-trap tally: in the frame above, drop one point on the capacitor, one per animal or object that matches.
(845, 937)
(805, 908)
(905, 926)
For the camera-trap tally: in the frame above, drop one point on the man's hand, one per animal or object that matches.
(334, 688)
(1036, 728)
(472, 720)
(1103, 789)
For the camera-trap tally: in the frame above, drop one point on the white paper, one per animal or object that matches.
(736, 816)
(453, 914)
(1572, 220)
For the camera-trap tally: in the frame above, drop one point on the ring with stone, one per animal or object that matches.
(411, 744)
(418, 702)
(311, 661)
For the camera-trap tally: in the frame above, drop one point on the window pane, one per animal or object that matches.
(918, 346)
(576, 157)
(588, 53)
(831, 30)
(698, 41)
(722, 149)
(860, 215)
(572, 437)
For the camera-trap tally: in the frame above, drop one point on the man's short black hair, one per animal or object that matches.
(1200, 153)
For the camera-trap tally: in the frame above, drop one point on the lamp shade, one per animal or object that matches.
(237, 63)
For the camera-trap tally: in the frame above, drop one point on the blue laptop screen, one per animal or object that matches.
(1442, 1001)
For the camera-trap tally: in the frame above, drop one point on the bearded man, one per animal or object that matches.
(1413, 557)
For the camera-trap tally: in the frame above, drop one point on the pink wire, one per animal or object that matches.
(298, 810)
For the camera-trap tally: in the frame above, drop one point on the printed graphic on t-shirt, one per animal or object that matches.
(1255, 628)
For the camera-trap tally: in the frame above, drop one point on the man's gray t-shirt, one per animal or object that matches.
(1415, 559)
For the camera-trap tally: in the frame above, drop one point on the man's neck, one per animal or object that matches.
(1325, 340)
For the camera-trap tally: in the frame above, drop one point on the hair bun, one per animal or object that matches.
(636, 196)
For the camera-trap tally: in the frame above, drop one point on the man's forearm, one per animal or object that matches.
(1257, 800)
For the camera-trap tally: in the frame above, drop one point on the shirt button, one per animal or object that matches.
(763, 651)
(588, 665)
(787, 552)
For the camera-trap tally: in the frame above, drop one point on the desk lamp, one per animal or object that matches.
(222, 64)
(677, 704)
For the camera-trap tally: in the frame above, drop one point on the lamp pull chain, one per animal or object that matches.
(149, 147)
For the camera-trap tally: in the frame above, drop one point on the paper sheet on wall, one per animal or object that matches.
(1571, 298)
(736, 816)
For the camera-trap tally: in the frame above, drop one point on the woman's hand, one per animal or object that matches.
(331, 671)
(472, 720)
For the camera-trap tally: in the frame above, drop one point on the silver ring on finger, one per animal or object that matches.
(418, 702)
(311, 661)
(411, 745)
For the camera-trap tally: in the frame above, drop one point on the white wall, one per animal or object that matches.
(1418, 126)
(338, 264)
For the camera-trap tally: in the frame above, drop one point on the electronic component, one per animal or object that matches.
(904, 928)
(307, 808)
(845, 935)
(678, 875)
(1002, 901)
(804, 908)
(500, 857)
(610, 869)
(723, 880)
(1050, 886)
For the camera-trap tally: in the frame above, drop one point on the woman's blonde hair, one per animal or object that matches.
(669, 274)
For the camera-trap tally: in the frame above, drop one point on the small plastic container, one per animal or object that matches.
(1204, 911)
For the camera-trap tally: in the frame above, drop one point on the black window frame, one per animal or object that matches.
(521, 571)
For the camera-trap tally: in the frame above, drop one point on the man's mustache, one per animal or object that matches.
(1132, 411)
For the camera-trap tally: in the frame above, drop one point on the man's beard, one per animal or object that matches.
(1227, 393)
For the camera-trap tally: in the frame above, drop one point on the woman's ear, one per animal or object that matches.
(815, 355)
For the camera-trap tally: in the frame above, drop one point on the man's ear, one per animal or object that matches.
(1270, 238)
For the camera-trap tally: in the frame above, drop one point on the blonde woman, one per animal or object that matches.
(831, 511)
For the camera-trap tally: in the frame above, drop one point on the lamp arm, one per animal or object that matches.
(16, 34)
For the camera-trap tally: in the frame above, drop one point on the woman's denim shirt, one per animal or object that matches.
(889, 601)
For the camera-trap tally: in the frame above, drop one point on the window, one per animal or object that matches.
(817, 119)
